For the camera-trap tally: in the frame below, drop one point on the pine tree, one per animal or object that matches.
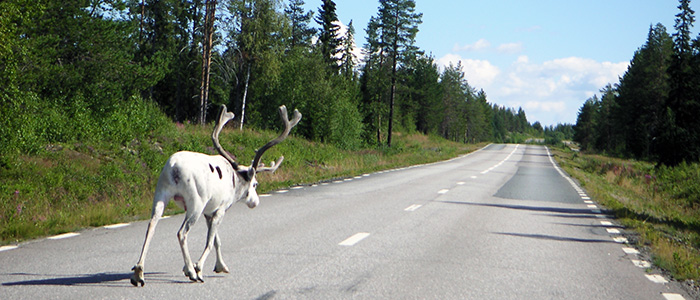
(299, 20)
(681, 139)
(399, 23)
(586, 123)
(643, 92)
(328, 35)
(347, 60)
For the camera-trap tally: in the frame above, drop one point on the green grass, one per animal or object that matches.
(68, 186)
(660, 204)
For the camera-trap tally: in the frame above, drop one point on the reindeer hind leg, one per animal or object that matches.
(159, 203)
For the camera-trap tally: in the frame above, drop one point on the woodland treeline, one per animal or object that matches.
(81, 69)
(653, 113)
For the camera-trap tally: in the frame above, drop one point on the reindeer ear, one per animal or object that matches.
(251, 173)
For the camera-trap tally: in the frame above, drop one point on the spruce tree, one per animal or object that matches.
(328, 34)
(299, 19)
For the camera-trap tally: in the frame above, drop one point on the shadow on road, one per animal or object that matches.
(553, 238)
(572, 211)
(84, 279)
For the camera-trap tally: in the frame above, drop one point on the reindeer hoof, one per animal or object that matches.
(221, 268)
(199, 274)
(194, 275)
(137, 277)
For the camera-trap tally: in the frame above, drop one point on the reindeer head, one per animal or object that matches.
(248, 184)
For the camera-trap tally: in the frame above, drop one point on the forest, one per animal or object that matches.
(80, 70)
(652, 114)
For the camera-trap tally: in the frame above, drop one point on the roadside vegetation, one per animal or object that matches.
(661, 204)
(57, 187)
(640, 144)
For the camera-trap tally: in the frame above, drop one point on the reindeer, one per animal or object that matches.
(208, 185)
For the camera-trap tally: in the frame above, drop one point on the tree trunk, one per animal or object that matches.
(206, 59)
(395, 55)
(245, 93)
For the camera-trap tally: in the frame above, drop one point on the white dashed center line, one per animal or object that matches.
(501, 162)
(356, 238)
(413, 207)
(443, 191)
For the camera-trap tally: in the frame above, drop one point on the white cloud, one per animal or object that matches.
(510, 48)
(484, 45)
(481, 44)
(550, 92)
(479, 73)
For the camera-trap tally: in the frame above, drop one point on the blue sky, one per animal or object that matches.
(546, 56)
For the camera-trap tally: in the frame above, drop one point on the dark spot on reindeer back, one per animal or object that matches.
(176, 175)
(218, 170)
(211, 168)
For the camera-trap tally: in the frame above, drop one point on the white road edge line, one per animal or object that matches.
(8, 247)
(629, 250)
(115, 226)
(672, 296)
(656, 278)
(354, 239)
(63, 236)
(641, 263)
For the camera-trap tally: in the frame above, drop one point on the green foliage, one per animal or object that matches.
(652, 113)
(71, 185)
(660, 203)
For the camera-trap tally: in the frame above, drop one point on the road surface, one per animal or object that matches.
(500, 223)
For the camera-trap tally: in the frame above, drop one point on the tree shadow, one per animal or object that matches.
(571, 211)
(553, 237)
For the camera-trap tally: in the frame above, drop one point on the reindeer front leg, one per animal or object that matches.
(213, 239)
(220, 265)
(189, 270)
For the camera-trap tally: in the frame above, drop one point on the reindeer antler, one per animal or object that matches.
(287, 127)
(224, 117)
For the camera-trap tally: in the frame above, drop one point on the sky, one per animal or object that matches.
(546, 56)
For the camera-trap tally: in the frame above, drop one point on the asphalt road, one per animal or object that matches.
(500, 223)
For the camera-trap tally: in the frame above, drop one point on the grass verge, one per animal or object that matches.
(661, 204)
(69, 186)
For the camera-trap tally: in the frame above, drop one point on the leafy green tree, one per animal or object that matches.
(167, 34)
(257, 40)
